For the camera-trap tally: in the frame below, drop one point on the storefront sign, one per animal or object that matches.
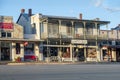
(6, 26)
(79, 41)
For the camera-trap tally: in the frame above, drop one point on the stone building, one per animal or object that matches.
(12, 40)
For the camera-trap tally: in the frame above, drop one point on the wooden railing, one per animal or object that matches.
(66, 35)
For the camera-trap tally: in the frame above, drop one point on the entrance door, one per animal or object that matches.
(118, 54)
(5, 54)
(5, 51)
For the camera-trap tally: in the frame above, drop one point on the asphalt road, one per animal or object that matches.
(60, 72)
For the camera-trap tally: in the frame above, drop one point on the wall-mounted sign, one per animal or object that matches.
(79, 41)
(6, 26)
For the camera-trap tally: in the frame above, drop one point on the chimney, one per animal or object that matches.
(97, 19)
(80, 16)
(22, 10)
(30, 12)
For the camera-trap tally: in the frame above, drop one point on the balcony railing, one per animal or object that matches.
(68, 35)
(90, 36)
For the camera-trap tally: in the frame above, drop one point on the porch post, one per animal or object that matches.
(71, 45)
(36, 50)
(97, 50)
(22, 51)
(71, 53)
(0, 51)
(84, 33)
(60, 36)
(114, 55)
(101, 52)
(13, 51)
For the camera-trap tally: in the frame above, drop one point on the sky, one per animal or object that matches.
(106, 10)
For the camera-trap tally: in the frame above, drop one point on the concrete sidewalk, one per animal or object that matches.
(36, 63)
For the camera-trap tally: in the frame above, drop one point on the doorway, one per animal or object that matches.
(5, 51)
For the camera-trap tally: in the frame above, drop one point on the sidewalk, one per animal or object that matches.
(57, 63)
(32, 63)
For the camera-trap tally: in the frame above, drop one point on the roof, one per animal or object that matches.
(50, 17)
(59, 17)
(26, 16)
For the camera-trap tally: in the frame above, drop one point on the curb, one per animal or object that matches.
(55, 63)
(37, 63)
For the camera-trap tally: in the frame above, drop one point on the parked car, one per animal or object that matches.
(29, 56)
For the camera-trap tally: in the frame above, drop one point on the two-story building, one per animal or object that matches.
(12, 42)
(65, 38)
(111, 46)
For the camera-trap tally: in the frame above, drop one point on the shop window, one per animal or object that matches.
(17, 48)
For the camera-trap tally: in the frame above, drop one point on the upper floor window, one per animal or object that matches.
(5, 34)
(33, 28)
(69, 28)
(89, 28)
(41, 28)
(8, 34)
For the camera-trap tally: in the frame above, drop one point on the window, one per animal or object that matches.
(33, 28)
(8, 34)
(69, 28)
(41, 28)
(17, 48)
(3, 34)
(89, 28)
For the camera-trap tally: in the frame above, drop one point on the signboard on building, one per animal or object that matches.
(6, 23)
(79, 41)
(6, 26)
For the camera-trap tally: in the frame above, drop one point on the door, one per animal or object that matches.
(5, 54)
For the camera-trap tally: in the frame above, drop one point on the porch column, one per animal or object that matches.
(22, 51)
(60, 48)
(84, 32)
(101, 52)
(73, 29)
(0, 51)
(13, 51)
(71, 53)
(114, 55)
(36, 50)
(41, 51)
(97, 50)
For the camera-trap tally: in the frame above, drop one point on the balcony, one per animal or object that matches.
(91, 36)
(69, 35)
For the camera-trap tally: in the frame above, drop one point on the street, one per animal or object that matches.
(60, 72)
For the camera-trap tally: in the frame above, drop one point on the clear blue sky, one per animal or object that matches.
(107, 10)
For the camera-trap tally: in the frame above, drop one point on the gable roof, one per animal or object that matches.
(25, 15)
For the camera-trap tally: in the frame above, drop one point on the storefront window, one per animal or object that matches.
(17, 48)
